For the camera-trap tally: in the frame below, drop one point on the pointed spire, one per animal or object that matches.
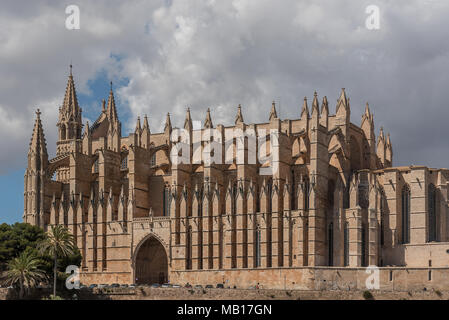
(315, 104)
(273, 113)
(239, 116)
(111, 111)
(208, 121)
(103, 105)
(138, 127)
(367, 116)
(388, 140)
(305, 109)
(324, 106)
(38, 143)
(145, 123)
(86, 128)
(167, 123)
(342, 100)
(381, 137)
(367, 112)
(70, 105)
(188, 125)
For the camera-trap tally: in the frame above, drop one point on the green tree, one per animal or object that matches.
(59, 242)
(16, 238)
(24, 270)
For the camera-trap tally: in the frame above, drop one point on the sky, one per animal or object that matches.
(165, 56)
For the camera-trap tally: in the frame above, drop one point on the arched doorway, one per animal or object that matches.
(151, 265)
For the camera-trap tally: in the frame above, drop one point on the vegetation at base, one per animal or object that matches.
(52, 297)
(23, 271)
(367, 295)
(59, 242)
(31, 246)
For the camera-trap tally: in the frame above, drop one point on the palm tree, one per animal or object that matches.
(59, 242)
(24, 270)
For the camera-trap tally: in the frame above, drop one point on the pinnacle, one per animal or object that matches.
(208, 121)
(273, 113)
(70, 104)
(188, 121)
(305, 109)
(315, 107)
(38, 143)
(239, 116)
(167, 122)
(111, 110)
(145, 122)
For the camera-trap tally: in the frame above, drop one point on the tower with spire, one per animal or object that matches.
(35, 206)
(70, 120)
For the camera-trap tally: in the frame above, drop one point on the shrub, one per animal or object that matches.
(52, 297)
(367, 295)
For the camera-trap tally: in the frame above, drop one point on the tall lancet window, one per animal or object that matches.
(124, 164)
(189, 248)
(432, 212)
(96, 167)
(234, 198)
(293, 193)
(346, 245)
(306, 193)
(330, 235)
(405, 214)
(382, 217)
(166, 202)
(270, 195)
(258, 247)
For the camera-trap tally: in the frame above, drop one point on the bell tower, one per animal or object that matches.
(70, 122)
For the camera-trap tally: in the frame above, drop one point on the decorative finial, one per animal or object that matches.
(111, 85)
(70, 68)
(38, 113)
(315, 94)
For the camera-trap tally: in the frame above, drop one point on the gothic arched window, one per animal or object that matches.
(405, 214)
(432, 212)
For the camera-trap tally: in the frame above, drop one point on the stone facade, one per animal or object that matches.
(335, 200)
